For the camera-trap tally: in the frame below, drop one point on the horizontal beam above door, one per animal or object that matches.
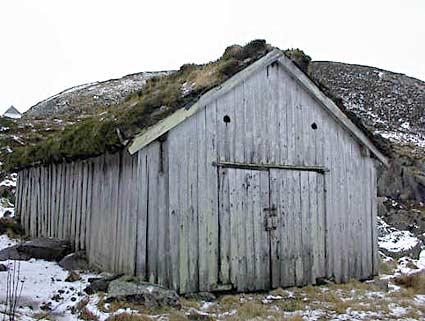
(265, 167)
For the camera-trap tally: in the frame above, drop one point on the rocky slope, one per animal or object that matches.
(392, 107)
(90, 98)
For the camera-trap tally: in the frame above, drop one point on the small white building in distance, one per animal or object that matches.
(12, 112)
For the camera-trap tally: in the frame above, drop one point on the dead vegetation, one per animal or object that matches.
(413, 281)
(87, 315)
(125, 316)
(160, 97)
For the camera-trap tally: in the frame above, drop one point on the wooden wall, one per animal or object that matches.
(156, 214)
(271, 120)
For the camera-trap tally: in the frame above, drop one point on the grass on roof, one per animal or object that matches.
(113, 129)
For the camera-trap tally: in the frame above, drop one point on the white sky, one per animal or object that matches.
(47, 46)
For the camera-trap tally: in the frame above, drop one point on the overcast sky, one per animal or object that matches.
(47, 46)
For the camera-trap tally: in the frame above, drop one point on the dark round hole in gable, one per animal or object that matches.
(314, 126)
(226, 119)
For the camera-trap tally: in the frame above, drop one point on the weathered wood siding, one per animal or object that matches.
(115, 207)
(165, 213)
(271, 120)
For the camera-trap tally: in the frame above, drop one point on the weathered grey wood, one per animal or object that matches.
(163, 228)
(170, 216)
(157, 130)
(202, 168)
(153, 199)
(276, 243)
(267, 166)
(174, 211)
(225, 233)
(212, 195)
(326, 102)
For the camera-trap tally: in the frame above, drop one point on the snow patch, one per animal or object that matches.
(394, 240)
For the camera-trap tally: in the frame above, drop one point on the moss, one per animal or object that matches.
(160, 97)
(299, 58)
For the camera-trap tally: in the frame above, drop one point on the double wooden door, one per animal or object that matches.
(271, 227)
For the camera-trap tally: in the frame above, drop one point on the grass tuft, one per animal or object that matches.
(86, 315)
(414, 281)
(125, 316)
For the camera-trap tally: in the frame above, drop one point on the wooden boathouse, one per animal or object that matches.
(263, 182)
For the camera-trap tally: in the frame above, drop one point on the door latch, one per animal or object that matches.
(270, 219)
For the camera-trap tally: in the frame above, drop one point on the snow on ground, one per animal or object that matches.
(43, 286)
(46, 295)
(9, 181)
(401, 137)
(5, 241)
(6, 208)
(394, 240)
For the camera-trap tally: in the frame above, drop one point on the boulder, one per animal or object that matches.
(49, 249)
(134, 290)
(12, 253)
(3, 268)
(412, 252)
(100, 284)
(74, 261)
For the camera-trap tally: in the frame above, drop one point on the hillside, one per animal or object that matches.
(390, 105)
(90, 98)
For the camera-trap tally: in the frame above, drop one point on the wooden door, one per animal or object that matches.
(271, 228)
(244, 243)
(298, 241)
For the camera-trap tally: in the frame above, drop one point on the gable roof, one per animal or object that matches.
(151, 133)
(12, 111)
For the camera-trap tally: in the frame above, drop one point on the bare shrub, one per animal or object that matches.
(14, 286)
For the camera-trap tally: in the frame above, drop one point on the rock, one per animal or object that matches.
(72, 277)
(3, 268)
(100, 284)
(324, 281)
(379, 283)
(201, 296)
(382, 209)
(412, 252)
(45, 248)
(134, 290)
(199, 316)
(74, 261)
(12, 253)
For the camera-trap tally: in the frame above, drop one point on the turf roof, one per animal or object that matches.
(112, 130)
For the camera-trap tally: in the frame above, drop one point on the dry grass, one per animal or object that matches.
(387, 267)
(413, 281)
(177, 316)
(116, 305)
(251, 310)
(229, 300)
(333, 300)
(160, 97)
(87, 315)
(128, 317)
